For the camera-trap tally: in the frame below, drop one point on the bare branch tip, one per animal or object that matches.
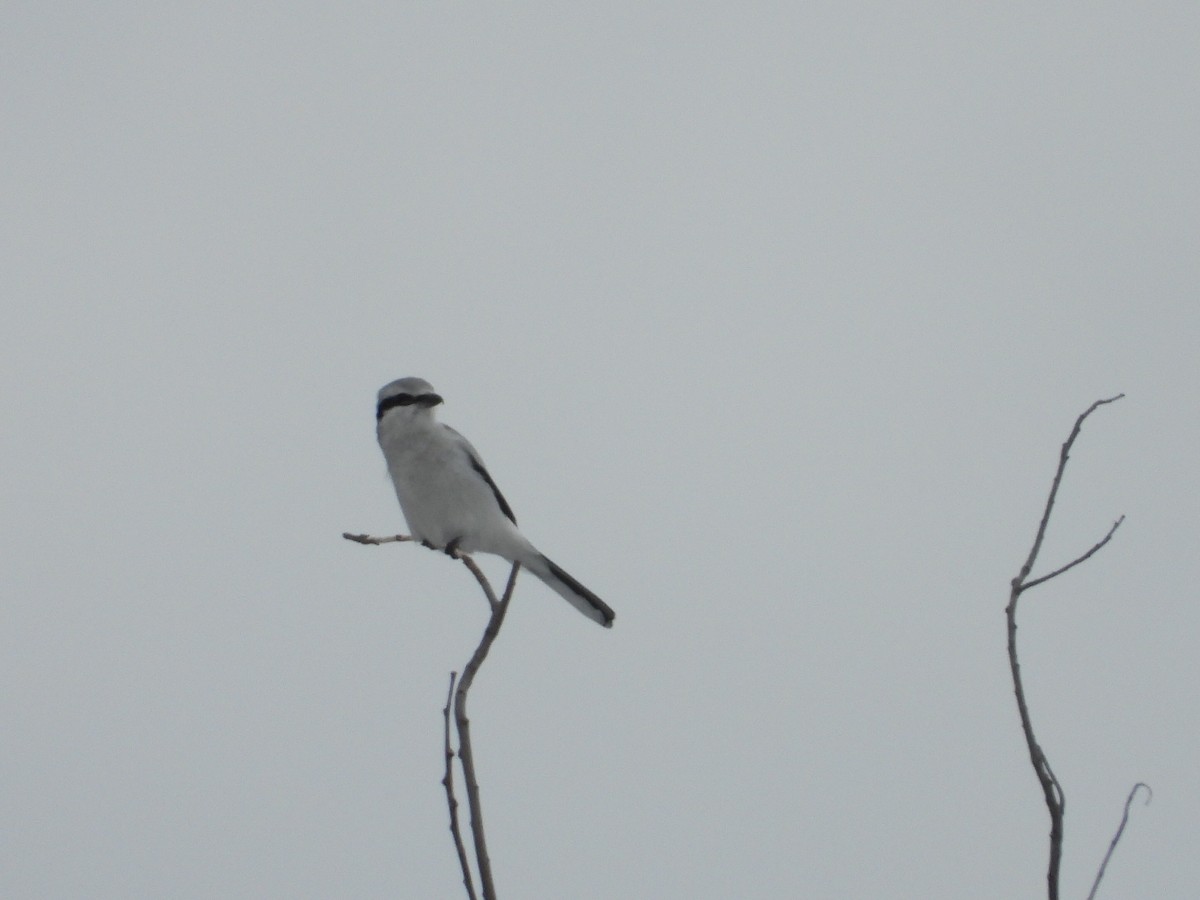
(376, 541)
(1116, 838)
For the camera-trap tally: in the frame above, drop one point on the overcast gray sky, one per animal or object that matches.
(769, 320)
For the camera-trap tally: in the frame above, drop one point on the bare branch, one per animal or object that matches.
(454, 554)
(479, 576)
(451, 801)
(1073, 563)
(1052, 791)
(1117, 837)
(465, 753)
(1062, 464)
(1056, 801)
(499, 608)
(367, 539)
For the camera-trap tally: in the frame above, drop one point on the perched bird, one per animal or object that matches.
(448, 498)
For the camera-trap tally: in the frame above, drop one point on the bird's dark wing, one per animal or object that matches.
(478, 466)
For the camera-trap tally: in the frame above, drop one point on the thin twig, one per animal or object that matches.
(1073, 563)
(461, 557)
(1117, 837)
(451, 801)
(465, 753)
(1052, 791)
(479, 576)
(367, 539)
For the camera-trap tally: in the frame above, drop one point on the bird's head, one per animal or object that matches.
(410, 397)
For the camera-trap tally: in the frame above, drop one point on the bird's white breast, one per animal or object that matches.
(442, 497)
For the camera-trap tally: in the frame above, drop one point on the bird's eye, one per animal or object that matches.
(404, 399)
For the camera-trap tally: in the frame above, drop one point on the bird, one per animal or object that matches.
(449, 500)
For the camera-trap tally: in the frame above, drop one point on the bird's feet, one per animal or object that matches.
(452, 548)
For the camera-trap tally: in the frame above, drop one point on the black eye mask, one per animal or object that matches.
(426, 400)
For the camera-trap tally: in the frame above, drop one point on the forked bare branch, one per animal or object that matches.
(466, 753)
(461, 557)
(1056, 801)
(1058, 475)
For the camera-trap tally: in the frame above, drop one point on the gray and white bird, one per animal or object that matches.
(448, 498)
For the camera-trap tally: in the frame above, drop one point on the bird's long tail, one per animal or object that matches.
(569, 589)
